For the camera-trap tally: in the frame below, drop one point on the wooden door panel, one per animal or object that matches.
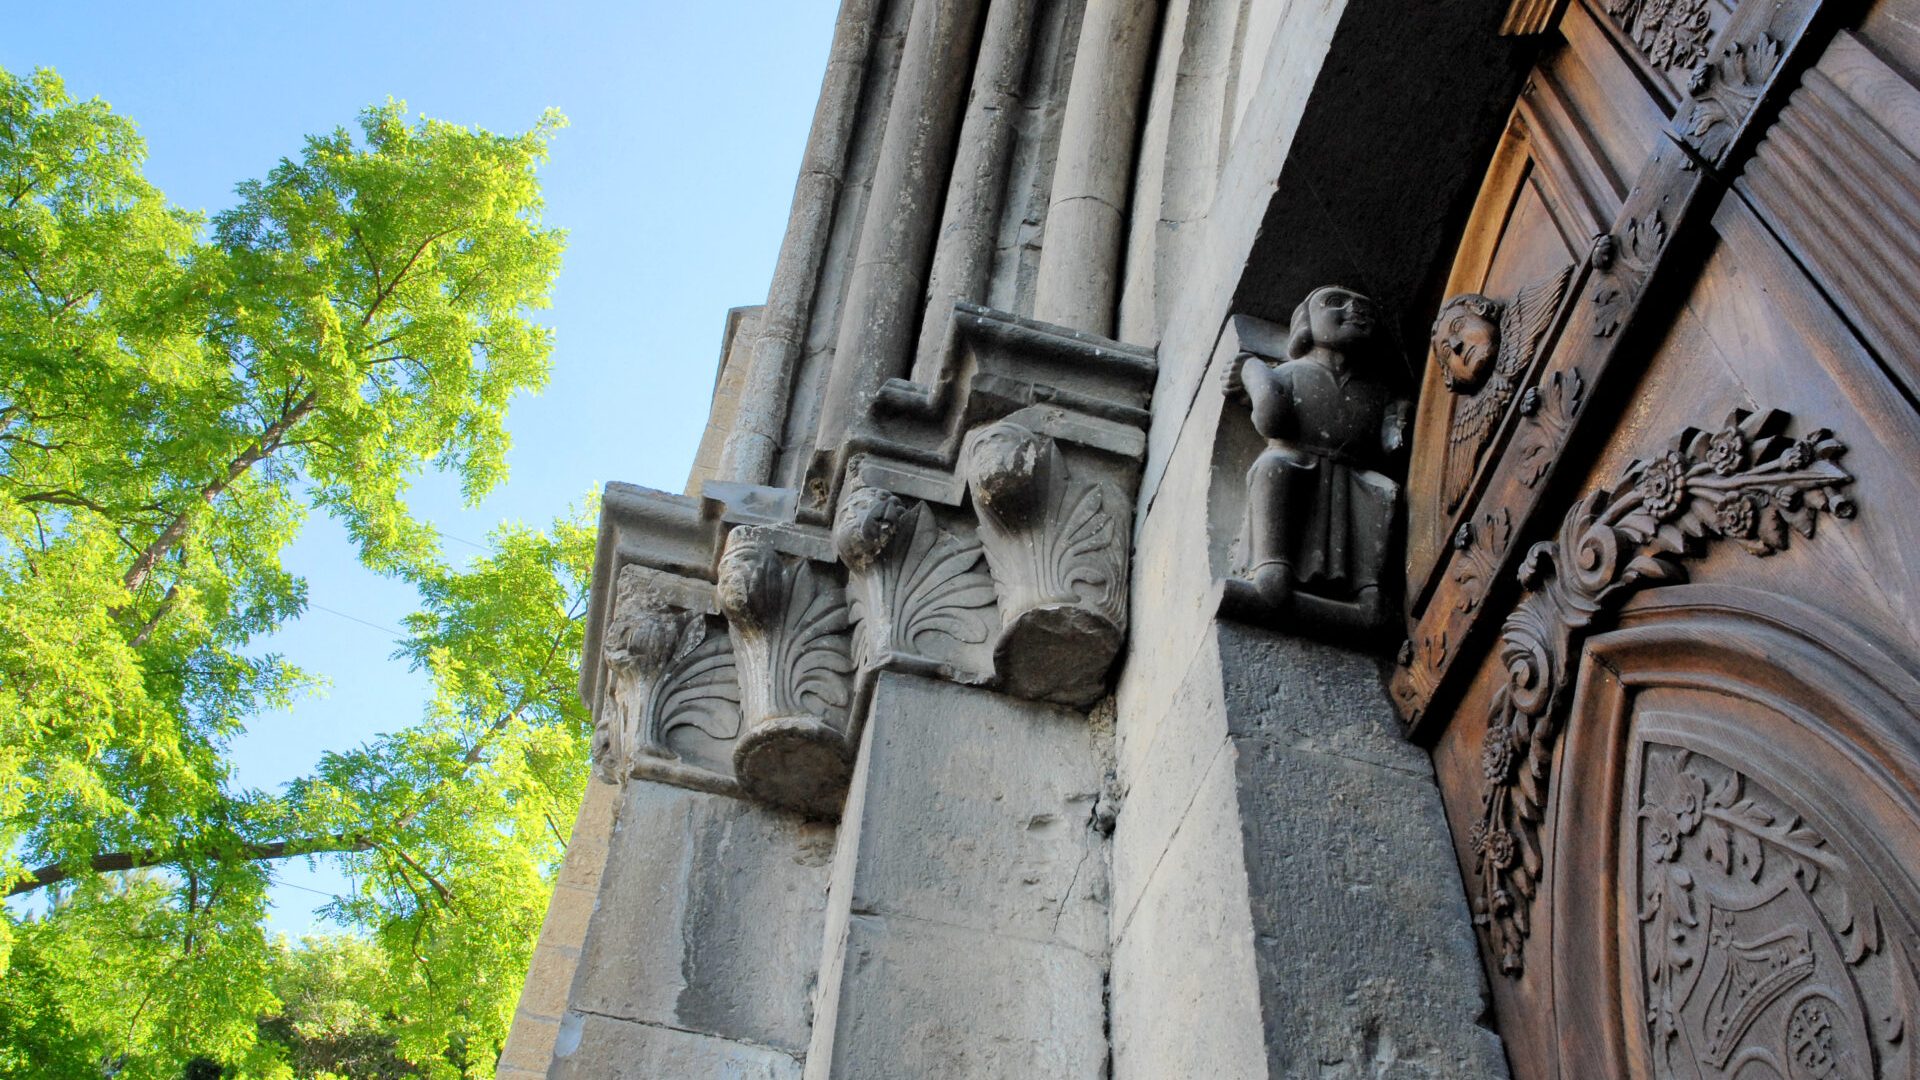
(1744, 895)
(1667, 671)
(1580, 131)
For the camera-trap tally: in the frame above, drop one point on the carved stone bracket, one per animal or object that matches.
(789, 624)
(1748, 483)
(671, 708)
(1057, 544)
(724, 654)
(921, 597)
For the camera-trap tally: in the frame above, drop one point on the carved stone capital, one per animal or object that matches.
(789, 625)
(1056, 541)
(921, 597)
(671, 704)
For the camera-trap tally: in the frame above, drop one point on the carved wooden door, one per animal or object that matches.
(1664, 546)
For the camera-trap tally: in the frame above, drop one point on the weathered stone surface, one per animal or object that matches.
(922, 999)
(1367, 961)
(967, 930)
(604, 1048)
(1186, 996)
(709, 918)
(978, 811)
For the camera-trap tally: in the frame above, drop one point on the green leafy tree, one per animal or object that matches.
(177, 395)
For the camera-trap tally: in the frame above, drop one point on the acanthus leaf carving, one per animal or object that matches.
(1724, 91)
(1621, 266)
(1746, 482)
(789, 625)
(1550, 415)
(1056, 544)
(910, 581)
(666, 672)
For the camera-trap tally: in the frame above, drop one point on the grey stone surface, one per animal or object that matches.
(1186, 993)
(1368, 966)
(709, 918)
(977, 813)
(604, 1048)
(968, 922)
(923, 999)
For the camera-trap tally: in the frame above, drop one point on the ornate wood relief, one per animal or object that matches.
(789, 625)
(1760, 953)
(911, 582)
(1057, 547)
(1484, 348)
(1724, 91)
(1748, 483)
(1670, 33)
(1621, 266)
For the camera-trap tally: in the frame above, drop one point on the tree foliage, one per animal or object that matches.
(177, 395)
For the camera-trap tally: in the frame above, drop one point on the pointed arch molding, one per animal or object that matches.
(1735, 874)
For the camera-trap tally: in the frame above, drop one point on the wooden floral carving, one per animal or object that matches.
(1747, 483)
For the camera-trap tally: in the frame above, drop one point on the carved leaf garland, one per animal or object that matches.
(1748, 483)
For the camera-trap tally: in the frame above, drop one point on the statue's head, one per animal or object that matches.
(748, 582)
(1466, 338)
(1332, 318)
(1004, 465)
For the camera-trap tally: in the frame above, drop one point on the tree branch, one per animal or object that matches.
(55, 873)
(176, 529)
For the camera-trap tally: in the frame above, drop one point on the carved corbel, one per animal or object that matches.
(1056, 542)
(921, 599)
(672, 703)
(789, 625)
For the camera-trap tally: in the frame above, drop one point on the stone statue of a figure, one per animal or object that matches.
(1320, 514)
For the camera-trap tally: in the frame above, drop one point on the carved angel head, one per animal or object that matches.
(1466, 341)
(1332, 318)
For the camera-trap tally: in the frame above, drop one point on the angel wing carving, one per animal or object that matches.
(1523, 323)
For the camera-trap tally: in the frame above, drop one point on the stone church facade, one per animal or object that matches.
(1285, 538)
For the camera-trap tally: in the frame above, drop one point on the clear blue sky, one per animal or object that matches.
(674, 181)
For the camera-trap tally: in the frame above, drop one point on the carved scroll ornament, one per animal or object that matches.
(1747, 483)
(789, 625)
(911, 582)
(671, 690)
(1056, 543)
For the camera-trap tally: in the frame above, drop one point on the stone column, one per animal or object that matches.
(1079, 278)
(903, 213)
(966, 926)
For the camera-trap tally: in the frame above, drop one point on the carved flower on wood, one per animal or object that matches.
(1612, 544)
